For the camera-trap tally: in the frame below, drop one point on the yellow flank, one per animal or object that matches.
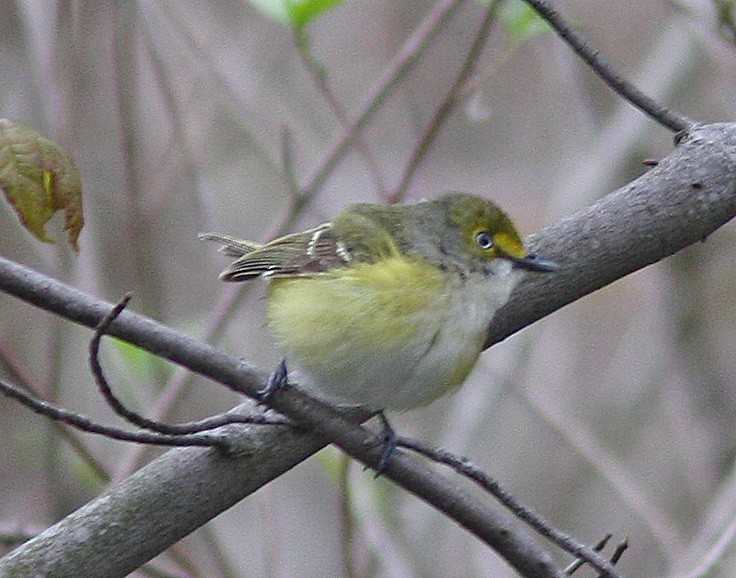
(373, 306)
(372, 334)
(465, 364)
(395, 334)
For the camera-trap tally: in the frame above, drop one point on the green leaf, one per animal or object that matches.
(144, 366)
(294, 13)
(274, 9)
(331, 460)
(39, 177)
(302, 12)
(522, 22)
(726, 15)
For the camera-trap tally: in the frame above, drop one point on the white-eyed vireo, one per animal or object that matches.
(387, 307)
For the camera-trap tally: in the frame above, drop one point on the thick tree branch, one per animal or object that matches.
(181, 491)
(688, 196)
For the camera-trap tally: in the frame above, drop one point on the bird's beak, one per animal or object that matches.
(511, 248)
(532, 262)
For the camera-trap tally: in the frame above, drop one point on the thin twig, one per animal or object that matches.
(572, 568)
(399, 67)
(592, 57)
(615, 557)
(715, 555)
(153, 425)
(347, 521)
(85, 424)
(125, 17)
(447, 105)
(466, 468)
(22, 377)
(319, 76)
(287, 161)
(619, 551)
(594, 452)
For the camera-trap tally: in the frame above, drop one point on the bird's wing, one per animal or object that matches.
(231, 246)
(357, 236)
(300, 254)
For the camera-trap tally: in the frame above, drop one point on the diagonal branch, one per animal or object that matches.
(592, 57)
(684, 199)
(183, 489)
(681, 201)
(448, 104)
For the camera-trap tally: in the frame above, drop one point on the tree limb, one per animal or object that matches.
(684, 199)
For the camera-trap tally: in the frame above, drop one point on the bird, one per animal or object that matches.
(386, 307)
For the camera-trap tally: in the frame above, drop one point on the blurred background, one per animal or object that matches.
(615, 415)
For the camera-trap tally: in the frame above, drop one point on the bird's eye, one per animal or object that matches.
(484, 240)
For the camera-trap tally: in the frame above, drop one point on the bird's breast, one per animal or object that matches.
(390, 335)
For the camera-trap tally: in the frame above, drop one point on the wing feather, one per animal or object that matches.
(231, 246)
(360, 235)
(300, 254)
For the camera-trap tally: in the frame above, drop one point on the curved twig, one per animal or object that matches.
(141, 421)
(85, 424)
